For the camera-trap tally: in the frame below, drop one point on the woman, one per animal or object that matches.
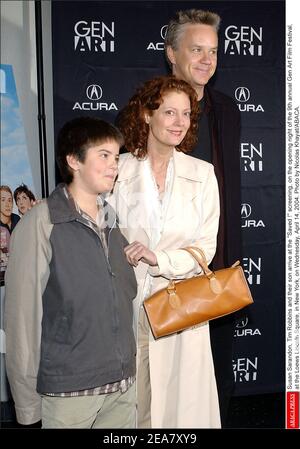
(167, 200)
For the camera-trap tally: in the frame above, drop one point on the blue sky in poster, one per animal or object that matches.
(15, 165)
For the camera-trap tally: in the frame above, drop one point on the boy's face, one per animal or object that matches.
(6, 204)
(23, 203)
(98, 172)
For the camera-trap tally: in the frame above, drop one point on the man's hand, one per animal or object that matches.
(136, 252)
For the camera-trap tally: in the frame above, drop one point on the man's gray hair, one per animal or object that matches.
(177, 25)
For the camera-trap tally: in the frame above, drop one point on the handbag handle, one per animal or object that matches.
(194, 251)
(199, 255)
(202, 261)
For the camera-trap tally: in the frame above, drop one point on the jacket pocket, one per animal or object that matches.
(62, 333)
(59, 336)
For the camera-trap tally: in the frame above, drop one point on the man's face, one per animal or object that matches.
(6, 203)
(195, 60)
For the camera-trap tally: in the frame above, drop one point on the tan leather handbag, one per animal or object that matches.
(186, 303)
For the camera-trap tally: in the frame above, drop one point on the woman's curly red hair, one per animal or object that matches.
(147, 99)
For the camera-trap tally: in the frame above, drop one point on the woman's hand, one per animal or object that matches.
(136, 252)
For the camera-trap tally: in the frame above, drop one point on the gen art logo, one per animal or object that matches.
(245, 369)
(94, 36)
(243, 41)
(252, 269)
(252, 157)
(94, 93)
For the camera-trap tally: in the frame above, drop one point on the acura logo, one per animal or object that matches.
(242, 323)
(242, 94)
(163, 31)
(245, 210)
(94, 92)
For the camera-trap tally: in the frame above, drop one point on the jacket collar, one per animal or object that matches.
(130, 167)
(132, 183)
(63, 210)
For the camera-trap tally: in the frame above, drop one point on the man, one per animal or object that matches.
(191, 45)
(68, 302)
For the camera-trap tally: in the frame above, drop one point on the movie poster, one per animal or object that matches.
(16, 189)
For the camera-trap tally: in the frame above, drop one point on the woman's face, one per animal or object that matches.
(6, 204)
(169, 123)
(23, 203)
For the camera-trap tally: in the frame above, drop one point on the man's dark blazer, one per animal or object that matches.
(229, 129)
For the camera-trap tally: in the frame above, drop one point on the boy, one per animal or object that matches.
(69, 290)
(8, 221)
(24, 199)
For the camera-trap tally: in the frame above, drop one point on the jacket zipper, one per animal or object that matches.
(112, 274)
(106, 255)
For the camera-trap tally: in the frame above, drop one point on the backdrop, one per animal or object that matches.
(102, 50)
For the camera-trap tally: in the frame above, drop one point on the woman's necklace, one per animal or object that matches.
(159, 176)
